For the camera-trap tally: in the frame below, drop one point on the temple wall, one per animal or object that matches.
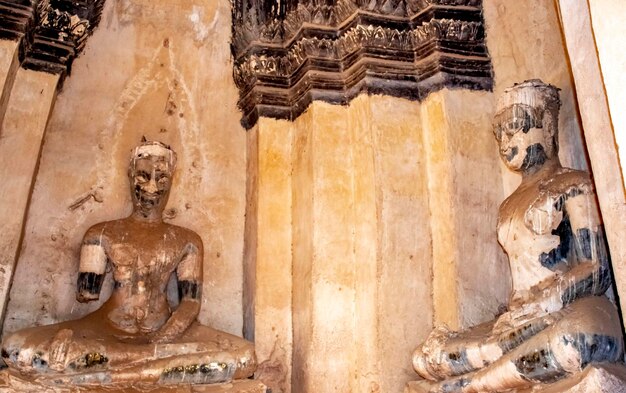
(337, 241)
(154, 69)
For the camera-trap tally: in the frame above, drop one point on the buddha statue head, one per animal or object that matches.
(150, 174)
(526, 124)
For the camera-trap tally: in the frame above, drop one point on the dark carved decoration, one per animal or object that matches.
(290, 52)
(52, 32)
(16, 18)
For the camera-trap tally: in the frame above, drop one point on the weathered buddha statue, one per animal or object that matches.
(135, 337)
(559, 319)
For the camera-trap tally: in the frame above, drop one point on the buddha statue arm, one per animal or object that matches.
(189, 274)
(92, 267)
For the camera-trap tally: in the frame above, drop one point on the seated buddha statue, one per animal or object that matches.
(559, 319)
(135, 337)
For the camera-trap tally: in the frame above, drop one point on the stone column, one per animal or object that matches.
(465, 191)
(21, 136)
(9, 64)
(594, 33)
(404, 261)
(362, 205)
(335, 264)
(267, 255)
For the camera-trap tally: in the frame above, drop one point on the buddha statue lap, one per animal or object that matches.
(559, 319)
(135, 338)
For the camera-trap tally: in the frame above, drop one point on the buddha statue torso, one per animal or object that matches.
(141, 271)
(538, 233)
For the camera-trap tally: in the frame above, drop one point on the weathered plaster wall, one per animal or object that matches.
(609, 30)
(362, 264)
(591, 30)
(21, 132)
(160, 69)
(465, 194)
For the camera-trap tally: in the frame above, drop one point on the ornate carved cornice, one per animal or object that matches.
(300, 51)
(16, 19)
(51, 32)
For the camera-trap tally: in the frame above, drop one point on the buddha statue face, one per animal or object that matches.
(526, 125)
(150, 174)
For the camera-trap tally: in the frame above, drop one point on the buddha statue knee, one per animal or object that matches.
(558, 320)
(135, 336)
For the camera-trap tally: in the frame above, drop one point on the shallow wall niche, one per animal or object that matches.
(156, 69)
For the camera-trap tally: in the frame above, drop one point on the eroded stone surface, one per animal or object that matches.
(289, 53)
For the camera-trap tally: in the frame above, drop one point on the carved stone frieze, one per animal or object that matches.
(291, 52)
(51, 32)
(16, 18)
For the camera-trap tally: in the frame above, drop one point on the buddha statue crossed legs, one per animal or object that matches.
(558, 320)
(135, 337)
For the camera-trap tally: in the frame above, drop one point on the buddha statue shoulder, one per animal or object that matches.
(136, 337)
(559, 320)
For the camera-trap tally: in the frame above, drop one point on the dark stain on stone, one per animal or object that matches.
(459, 363)
(535, 156)
(539, 366)
(189, 289)
(38, 362)
(90, 282)
(518, 336)
(559, 255)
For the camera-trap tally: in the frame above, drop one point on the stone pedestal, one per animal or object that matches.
(608, 378)
(14, 383)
